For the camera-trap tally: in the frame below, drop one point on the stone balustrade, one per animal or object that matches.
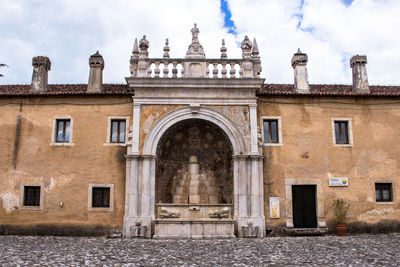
(195, 64)
(175, 68)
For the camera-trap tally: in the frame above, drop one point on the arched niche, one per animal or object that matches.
(213, 149)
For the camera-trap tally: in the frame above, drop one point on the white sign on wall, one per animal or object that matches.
(274, 208)
(338, 181)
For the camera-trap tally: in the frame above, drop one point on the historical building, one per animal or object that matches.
(197, 148)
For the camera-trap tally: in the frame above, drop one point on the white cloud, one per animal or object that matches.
(70, 31)
(365, 27)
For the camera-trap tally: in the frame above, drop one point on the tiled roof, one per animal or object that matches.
(326, 90)
(64, 89)
(266, 90)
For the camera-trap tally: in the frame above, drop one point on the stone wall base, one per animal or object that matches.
(60, 230)
(358, 227)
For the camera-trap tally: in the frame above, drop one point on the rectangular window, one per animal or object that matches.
(31, 196)
(117, 134)
(62, 130)
(100, 197)
(342, 132)
(271, 131)
(383, 192)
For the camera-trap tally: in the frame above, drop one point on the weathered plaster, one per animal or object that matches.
(65, 172)
(307, 151)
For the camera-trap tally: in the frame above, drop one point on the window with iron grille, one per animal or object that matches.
(117, 134)
(271, 134)
(342, 132)
(31, 196)
(63, 130)
(100, 197)
(383, 192)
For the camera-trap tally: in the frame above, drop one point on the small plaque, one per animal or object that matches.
(338, 181)
(274, 208)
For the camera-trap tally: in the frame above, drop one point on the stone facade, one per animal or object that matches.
(196, 148)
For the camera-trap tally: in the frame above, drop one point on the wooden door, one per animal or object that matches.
(304, 206)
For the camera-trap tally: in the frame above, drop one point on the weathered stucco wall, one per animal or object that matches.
(65, 172)
(307, 151)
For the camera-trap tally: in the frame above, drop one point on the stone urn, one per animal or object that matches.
(341, 229)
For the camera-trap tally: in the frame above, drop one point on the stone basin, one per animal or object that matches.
(205, 221)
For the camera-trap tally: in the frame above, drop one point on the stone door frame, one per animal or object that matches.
(289, 182)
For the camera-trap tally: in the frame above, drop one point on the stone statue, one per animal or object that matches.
(195, 48)
(246, 44)
(144, 44)
(195, 34)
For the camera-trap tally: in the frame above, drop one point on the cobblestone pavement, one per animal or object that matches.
(358, 250)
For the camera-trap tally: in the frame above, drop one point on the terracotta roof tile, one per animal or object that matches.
(267, 89)
(326, 90)
(64, 89)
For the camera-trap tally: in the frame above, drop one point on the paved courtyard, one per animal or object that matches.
(358, 250)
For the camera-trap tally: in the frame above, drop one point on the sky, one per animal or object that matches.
(329, 31)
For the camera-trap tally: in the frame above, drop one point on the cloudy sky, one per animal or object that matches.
(329, 31)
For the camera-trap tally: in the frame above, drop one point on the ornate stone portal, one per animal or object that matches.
(194, 166)
(194, 182)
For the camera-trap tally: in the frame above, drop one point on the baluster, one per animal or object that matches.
(157, 70)
(208, 69)
(165, 70)
(223, 70)
(241, 70)
(149, 69)
(174, 69)
(182, 69)
(215, 70)
(232, 72)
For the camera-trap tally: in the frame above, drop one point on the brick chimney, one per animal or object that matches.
(96, 64)
(360, 77)
(41, 66)
(299, 64)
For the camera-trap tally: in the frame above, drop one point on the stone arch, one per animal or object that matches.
(185, 113)
(213, 152)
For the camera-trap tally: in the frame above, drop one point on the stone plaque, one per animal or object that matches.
(274, 208)
(338, 181)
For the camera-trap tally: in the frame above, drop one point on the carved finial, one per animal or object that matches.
(166, 49)
(299, 51)
(135, 50)
(223, 50)
(246, 46)
(255, 51)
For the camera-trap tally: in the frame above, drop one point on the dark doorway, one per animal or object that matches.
(304, 206)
